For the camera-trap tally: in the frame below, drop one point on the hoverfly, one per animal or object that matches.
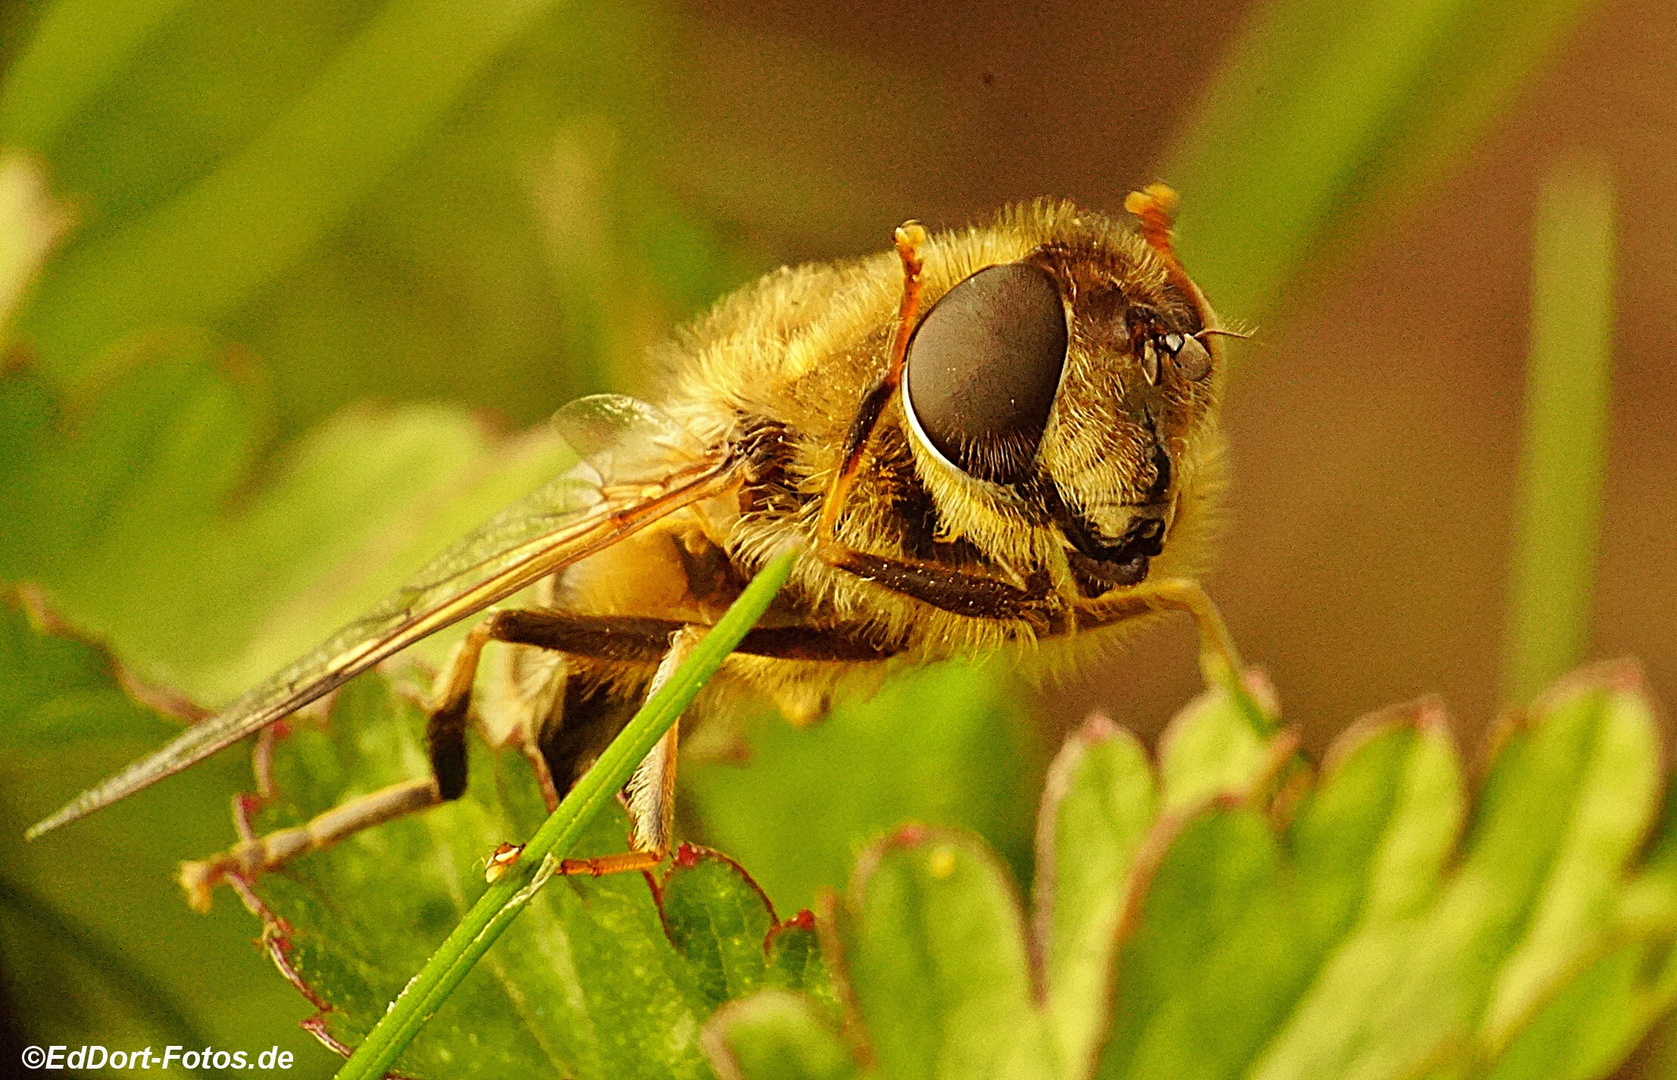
(1004, 438)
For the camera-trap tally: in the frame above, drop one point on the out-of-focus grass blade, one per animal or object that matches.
(78, 47)
(31, 223)
(152, 1001)
(204, 252)
(1327, 113)
(1564, 452)
(497, 906)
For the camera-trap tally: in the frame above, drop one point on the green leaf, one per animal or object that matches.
(1097, 807)
(1374, 836)
(600, 977)
(28, 924)
(1210, 947)
(1211, 748)
(91, 921)
(1370, 844)
(1224, 935)
(946, 744)
(1529, 904)
(1598, 748)
(935, 960)
(776, 1036)
(721, 927)
(56, 690)
(1596, 1017)
(1329, 929)
(794, 958)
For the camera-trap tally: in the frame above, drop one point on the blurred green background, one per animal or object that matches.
(330, 259)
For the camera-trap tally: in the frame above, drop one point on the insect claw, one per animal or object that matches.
(500, 861)
(199, 879)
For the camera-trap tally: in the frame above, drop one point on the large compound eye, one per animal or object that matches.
(982, 370)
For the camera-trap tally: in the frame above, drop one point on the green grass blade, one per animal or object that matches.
(200, 255)
(1564, 452)
(494, 910)
(1327, 113)
(78, 47)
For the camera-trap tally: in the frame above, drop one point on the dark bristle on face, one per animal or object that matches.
(983, 369)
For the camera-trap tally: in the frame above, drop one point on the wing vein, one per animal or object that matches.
(570, 520)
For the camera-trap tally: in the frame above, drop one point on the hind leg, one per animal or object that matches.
(445, 738)
(446, 746)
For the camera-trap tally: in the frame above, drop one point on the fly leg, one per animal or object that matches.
(1219, 659)
(445, 736)
(963, 592)
(649, 795)
(617, 639)
(650, 801)
(909, 237)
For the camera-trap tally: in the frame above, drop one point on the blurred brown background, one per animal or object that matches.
(1375, 420)
(616, 166)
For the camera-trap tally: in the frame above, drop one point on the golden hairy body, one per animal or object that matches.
(998, 439)
(800, 348)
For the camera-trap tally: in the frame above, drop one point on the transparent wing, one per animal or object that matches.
(572, 516)
(624, 439)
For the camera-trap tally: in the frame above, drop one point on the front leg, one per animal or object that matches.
(1219, 659)
(962, 592)
(957, 591)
